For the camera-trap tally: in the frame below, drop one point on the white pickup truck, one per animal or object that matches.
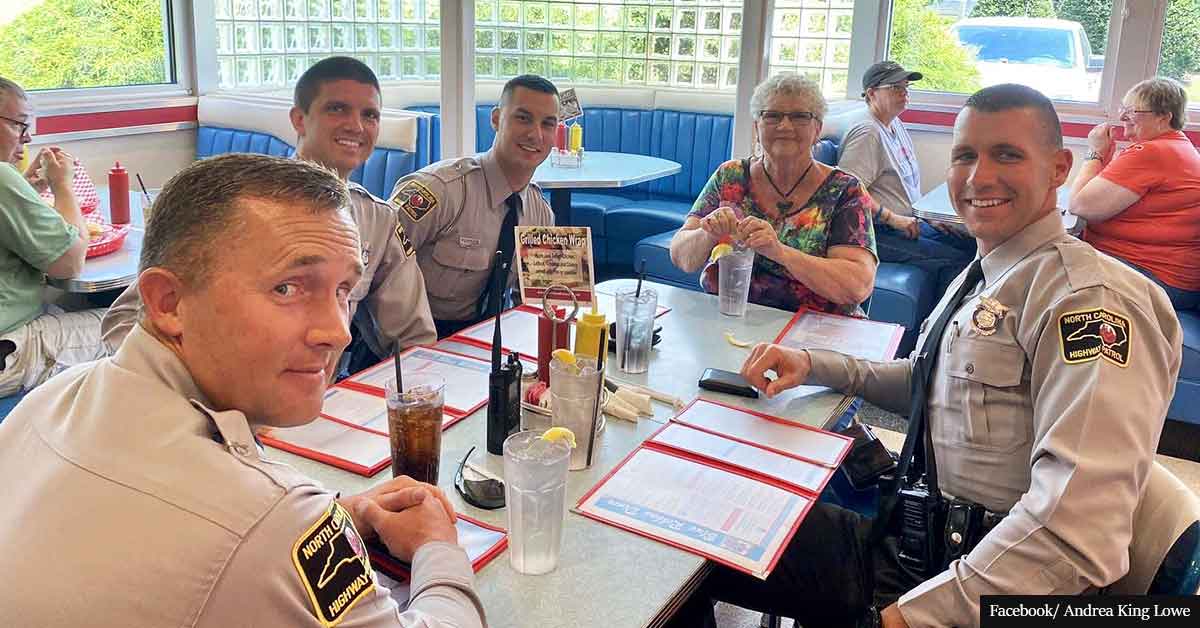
(1051, 56)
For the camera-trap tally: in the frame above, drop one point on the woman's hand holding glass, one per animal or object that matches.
(721, 223)
(759, 235)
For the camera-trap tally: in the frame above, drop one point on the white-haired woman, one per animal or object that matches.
(1142, 204)
(809, 223)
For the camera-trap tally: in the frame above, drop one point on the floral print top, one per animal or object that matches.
(838, 213)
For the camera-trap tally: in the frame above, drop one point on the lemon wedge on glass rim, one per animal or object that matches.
(719, 251)
(556, 434)
(564, 355)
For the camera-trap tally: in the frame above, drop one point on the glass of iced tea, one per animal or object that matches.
(415, 426)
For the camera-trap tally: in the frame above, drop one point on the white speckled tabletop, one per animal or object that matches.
(607, 576)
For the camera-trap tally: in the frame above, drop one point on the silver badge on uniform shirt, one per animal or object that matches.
(366, 255)
(987, 316)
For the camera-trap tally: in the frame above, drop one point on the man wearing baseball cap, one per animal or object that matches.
(879, 151)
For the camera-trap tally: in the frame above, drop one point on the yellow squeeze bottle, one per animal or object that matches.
(587, 334)
(576, 137)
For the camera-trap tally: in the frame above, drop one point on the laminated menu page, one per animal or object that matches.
(481, 541)
(351, 432)
(723, 482)
(857, 337)
(518, 332)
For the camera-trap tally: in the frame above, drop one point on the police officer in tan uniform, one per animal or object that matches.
(138, 482)
(1052, 369)
(336, 116)
(455, 210)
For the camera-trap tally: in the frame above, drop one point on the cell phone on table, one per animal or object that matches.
(727, 382)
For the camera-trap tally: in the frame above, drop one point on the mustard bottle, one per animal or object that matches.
(576, 137)
(587, 334)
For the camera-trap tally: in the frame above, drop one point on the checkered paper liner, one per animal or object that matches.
(85, 191)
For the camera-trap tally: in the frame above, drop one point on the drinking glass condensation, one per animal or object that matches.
(635, 328)
(535, 492)
(415, 426)
(573, 403)
(733, 281)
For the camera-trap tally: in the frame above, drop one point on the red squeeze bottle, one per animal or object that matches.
(560, 136)
(118, 195)
(550, 339)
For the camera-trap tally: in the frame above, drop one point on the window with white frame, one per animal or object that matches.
(1054, 46)
(1179, 57)
(812, 38)
(667, 43)
(263, 43)
(70, 44)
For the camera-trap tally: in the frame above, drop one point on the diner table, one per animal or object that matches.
(607, 576)
(599, 170)
(935, 206)
(116, 270)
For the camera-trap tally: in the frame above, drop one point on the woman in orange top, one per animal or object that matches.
(1143, 204)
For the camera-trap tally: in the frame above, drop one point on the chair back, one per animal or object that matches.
(1164, 554)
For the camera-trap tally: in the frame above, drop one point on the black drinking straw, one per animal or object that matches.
(599, 391)
(637, 295)
(399, 374)
(145, 194)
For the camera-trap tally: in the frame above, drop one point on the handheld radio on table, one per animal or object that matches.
(504, 382)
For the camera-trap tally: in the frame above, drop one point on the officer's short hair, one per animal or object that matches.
(528, 81)
(198, 211)
(11, 89)
(330, 69)
(1008, 96)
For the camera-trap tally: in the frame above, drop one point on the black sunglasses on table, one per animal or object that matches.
(487, 494)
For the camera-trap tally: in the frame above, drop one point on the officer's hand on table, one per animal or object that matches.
(891, 617)
(791, 368)
(720, 222)
(406, 519)
(379, 493)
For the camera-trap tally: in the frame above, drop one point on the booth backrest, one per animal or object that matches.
(256, 124)
(698, 141)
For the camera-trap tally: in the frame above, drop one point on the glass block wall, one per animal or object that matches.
(668, 43)
(658, 43)
(265, 43)
(812, 37)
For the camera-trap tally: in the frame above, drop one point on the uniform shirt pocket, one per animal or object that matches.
(986, 380)
(459, 270)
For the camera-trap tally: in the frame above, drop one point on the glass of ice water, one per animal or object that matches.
(733, 281)
(535, 490)
(635, 328)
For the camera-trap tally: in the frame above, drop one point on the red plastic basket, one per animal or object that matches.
(110, 239)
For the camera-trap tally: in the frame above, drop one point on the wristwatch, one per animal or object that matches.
(1091, 154)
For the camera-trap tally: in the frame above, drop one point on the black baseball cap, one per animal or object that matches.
(886, 73)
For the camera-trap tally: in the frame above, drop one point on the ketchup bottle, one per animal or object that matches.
(118, 195)
(560, 136)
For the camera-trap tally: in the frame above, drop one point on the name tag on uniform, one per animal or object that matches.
(468, 243)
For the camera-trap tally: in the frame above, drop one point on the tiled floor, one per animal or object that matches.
(886, 425)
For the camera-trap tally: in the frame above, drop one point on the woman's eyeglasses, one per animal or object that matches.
(1127, 112)
(797, 118)
(487, 493)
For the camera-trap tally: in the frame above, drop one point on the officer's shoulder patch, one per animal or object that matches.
(405, 242)
(415, 199)
(1087, 335)
(333, 565)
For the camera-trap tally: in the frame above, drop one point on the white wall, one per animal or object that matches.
(156, 156)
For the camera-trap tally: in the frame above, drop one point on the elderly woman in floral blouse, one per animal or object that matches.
(809, 223)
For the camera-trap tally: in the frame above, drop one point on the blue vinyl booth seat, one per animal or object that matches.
(619, 218)
(381, 171)
(1186, 404)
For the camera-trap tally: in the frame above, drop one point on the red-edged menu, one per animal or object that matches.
(858, 337)
(352, 431)
(720, 481)
(481, 541)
